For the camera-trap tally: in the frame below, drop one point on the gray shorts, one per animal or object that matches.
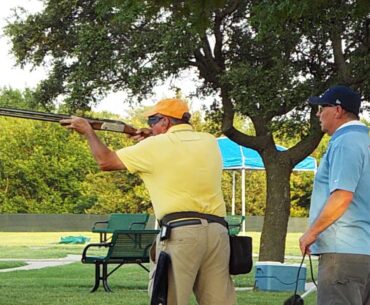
(344, 279)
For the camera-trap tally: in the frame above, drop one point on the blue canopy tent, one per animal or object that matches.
(236, 157)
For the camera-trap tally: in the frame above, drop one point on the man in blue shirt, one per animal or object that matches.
(339, 230)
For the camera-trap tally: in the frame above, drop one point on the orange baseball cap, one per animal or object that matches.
(172, 107)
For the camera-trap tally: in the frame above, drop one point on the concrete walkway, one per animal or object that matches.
(41, 263)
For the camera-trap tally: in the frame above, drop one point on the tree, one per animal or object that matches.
(46, 169)
(262, 58)
(41, 168)
(17, 99)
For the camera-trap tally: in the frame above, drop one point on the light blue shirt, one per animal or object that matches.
(345, 166)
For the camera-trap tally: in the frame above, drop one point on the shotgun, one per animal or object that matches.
(96, 124)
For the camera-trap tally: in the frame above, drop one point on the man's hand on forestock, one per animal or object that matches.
(81, 125)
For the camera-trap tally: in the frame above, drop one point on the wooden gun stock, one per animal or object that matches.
(97, 124)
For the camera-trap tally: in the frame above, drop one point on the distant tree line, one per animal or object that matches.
(47, 169)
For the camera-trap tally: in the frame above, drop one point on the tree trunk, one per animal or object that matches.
(272, 247)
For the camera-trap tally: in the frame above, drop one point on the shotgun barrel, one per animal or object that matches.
(97, 124)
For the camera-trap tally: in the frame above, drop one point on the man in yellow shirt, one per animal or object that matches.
(182, 170)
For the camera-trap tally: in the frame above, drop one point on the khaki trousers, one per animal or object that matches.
(199, 263)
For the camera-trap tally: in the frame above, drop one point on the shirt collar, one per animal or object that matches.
(180, 127)
(348, 128)
(354, 122)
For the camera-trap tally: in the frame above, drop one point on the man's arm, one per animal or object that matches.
(334, 208)
(106, 159)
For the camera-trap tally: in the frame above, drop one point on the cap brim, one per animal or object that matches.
(150, 112)
(315, 100)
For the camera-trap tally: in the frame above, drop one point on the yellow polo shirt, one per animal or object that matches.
(181, 170)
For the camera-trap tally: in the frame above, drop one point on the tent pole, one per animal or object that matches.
(243, 197)
(233, 196)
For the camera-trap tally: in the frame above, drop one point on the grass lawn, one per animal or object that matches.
(40, 244)
(45, 244)
(7, 265)
(70, 284)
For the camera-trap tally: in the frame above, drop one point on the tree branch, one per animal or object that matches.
(229, 10)
(339, 58)
(219, 42)
(258, 143)
(205, 68)
(308, 144)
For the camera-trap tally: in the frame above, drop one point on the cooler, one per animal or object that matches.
(275, 276)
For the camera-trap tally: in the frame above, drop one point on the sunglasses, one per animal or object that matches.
(154, 119)
(320, 108)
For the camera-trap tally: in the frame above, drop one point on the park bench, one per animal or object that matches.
(120, 221)
(125, 247)
(234, 222)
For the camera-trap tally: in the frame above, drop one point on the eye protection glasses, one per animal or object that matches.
(152, 120)
(320, 108)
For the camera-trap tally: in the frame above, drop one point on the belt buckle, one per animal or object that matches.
(165, 232)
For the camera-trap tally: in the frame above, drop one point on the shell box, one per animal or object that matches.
(275, 276)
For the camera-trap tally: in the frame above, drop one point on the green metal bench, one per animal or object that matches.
(235, 223)
(119, 221)
(126, 247)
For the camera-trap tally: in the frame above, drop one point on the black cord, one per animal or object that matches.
(297, 299)
(299, 270)
(313, 280)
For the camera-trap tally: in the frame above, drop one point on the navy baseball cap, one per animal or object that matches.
(339, 96)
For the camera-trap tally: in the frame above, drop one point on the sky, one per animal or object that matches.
(15, 77)
(11, 76)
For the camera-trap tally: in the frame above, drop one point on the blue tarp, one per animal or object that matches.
(235, 156)
(74, 240)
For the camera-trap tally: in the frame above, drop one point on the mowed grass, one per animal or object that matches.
(46, 244)
(40, 244)
(70, 284)
(11, 264)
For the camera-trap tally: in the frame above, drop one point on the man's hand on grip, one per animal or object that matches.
(141, 134)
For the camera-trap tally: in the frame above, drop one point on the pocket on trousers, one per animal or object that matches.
(185, 236)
